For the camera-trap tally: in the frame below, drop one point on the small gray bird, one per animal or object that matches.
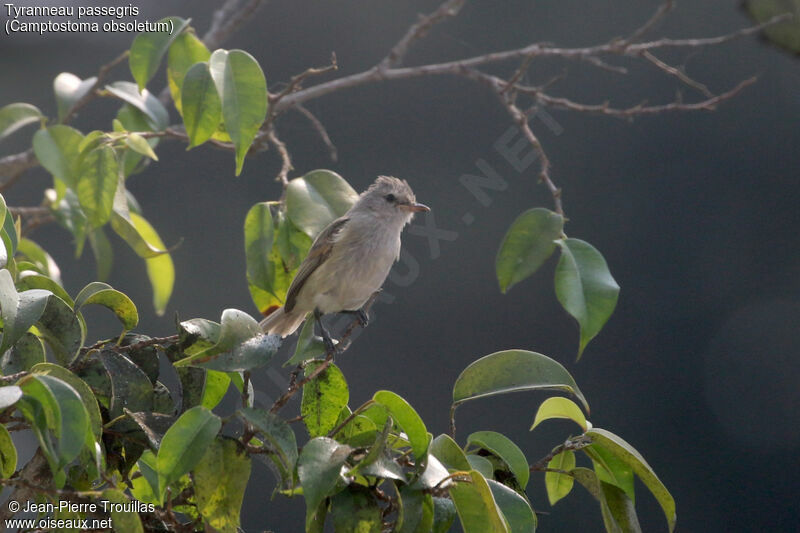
(349, 259)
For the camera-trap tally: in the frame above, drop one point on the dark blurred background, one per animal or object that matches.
(696, 214)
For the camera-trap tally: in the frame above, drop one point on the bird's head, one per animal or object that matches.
(391, 199)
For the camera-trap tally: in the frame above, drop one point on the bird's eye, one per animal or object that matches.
(390, 198)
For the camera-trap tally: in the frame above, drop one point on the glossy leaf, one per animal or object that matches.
(185, 51)
(504, 448)
(19, 311)
(217, 384)
(309, 344)
(628, 454)
(8, 453)
(317, 199)
(139, 144)
(184, 445)
(148, 48)
(160, 269)
(37, 255)
(9, 395)
(356, 511)
(449, 453)
(323, 399)
(70, 215)
(557, 484)
(56, 148)
(476, 506)
(130, 387)
(620, 508)
(103, 253)
(516, 510)
(100, 293)
(220, 479)
(25, 353)
(558, 407)
(133, 120)
(83, 390)
(69, 89)
(198, 334)
(201, 105)
(529, 242)
(61, 328)
(97, 184)
(243, 93)
(416, 511)
(241, 345)
(258, 239)
(277, 432)
(611, 469)
(16, 116)
(407, 418)
(444, 514)
(157, 116)
(512, 371)
(585, 287)
(481, 464)
(318, 468)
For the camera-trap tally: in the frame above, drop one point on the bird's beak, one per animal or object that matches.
(415, 207)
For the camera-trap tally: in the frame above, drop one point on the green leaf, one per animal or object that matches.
(529, 242)
(72, 422)
(628, 454)
(56, 148)
(516, 510)
(280, 436)
(449, 453)
(407, 418)
(243, 92)
(25, 353)
(220, 479)
(506, 450)
(133, 120)
(157, 116)
(611, 469)
(318, 468)
(37, 255)
(258, 240)
(139, 144)
(323, 399)
(124, 521)
(482, 465)
(97, 184)
(130, 387)
(512, 371)
(621, 508)
(444, 514)
(160, 269)
(184, 445)
(559, 485)
(61, 328)
(241, 345)
(16, 116)
(558, 407)
(9, 395)
(148, 48)
(100, 293)
(309, 345)
(201, 105)
(416, 510)
(70, 215)
(217, 384)
(83, 390)
(69, 89)
(103, 254)
(8, 452)
(356, 511)
(197, 335)
(185, 51)
(317, 199)
(786, 33)
(585, 287)
(476, 506)
(19, 311)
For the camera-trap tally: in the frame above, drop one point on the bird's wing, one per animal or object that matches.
(319, 252)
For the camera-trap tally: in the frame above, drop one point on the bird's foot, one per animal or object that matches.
(330, 347)
(361, 315)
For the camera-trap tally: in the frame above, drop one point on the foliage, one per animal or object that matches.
(107, 426)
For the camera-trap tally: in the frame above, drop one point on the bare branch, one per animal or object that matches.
(673, 71)
(323, 133)
(417, 31)
(660, 13)
(228, 18)
(286, 165)
(296, 81)
(91, 94)
(13, 166)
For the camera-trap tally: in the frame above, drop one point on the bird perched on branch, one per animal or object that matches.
(349, 260)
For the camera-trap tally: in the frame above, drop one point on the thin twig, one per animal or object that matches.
(91, 94)
(323, 133)
(573, 444)
(286, 160)
(678, 73)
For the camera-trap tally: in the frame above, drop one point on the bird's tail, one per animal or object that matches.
(281, 323)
